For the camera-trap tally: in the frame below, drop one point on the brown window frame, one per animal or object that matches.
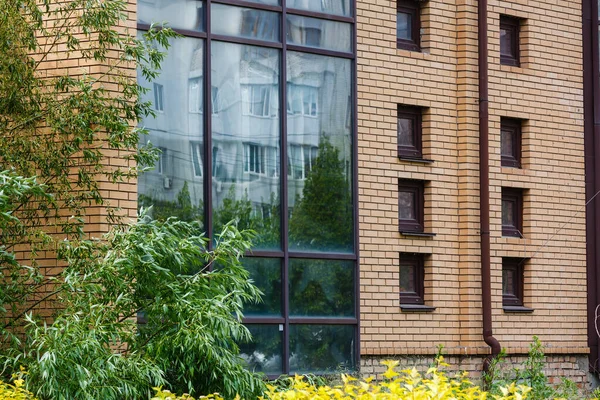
(416, 115)
(516, 228)
(514, 126)
(517, 265)
(514, 25)
(417, 261)
(418, 188)
(413, 8)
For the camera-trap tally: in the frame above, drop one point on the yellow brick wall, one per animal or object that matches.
(546, 91)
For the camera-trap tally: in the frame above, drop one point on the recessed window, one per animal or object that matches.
(512, 281)
(159, 97)
(410, 205)
(409, 132)
(509, 40)
(512, 212)
(411, 278)
(510, 142)
(408, 25)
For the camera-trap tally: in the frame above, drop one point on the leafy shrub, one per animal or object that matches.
(404, 385)
(16, 390)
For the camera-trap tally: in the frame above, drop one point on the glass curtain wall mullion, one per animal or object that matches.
(208, 156)
(324, 52)
(250, 4)
(316, 14)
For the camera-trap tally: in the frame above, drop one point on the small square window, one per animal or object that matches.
(408, 25)
(512, 281)
(410, 132)
(410, 206)
(510, 142)
(509, 40)
(512, 212)
(412, 278)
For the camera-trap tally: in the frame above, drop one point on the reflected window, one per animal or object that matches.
(214, 99)
(301, 160)
(196, 149)
(161, 164)
(195, 95)
(256, 100)
(158, 97)
(254, 159)
(302, 99)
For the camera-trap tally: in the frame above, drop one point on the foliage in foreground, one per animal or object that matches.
(404, 385)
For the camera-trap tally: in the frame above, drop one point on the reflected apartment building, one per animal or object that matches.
(348, 135)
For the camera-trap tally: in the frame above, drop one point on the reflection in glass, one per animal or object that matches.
(266, 274)
(406, 205)
(506, 42)
(407, 278)
(175, 186)
(182, 14)
(506, 142)
(321, 33)
(404, 26)
(406, 135)
(244, 22)
(336, 7)
(321, 348)
(245, 140)
(319, 153)
(508, 213)
(321, 288)
(508, 281)
(264, 353)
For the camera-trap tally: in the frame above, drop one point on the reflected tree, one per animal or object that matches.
(322, 219)
(182, 208)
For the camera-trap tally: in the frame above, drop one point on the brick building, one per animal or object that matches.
(355, 138)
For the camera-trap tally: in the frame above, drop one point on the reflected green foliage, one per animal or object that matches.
(321, 288)
(266, 226)
(266, 274)
(321, 348)
(323, 219)
(182, 208)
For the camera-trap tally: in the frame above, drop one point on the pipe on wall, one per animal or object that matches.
(484, 183)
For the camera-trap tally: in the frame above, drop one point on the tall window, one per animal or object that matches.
(294, 170)
(408, 25)
(509, 40)
(512, 212)
(510, 142)
(410, 206)
(409, 132)
(412, 277)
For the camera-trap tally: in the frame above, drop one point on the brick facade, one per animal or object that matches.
(546, 92)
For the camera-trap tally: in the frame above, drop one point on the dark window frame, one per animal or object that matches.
(514, 126)
(516, 228)
(517, 265)
(416, 115)
(415, 225)
(412, 8)
(512, 57)
(417, 262)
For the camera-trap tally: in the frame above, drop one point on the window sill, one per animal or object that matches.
(416, 308)
(415, 160)
(517, 309)
(418, 234)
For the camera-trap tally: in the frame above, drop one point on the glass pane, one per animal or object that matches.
(508, 213)
(321, 348)
(406, 131)
(321, 33)
(175, 186)
(407, 278)
(182, 14)
(319, 191)
(404, 26)
(508, 281)
(506, 42)
(507, 143)
(244, 22)
(245, 140)
(406, 205)
(266, 274)
(337, 7)
(321, 288)
(265, 352)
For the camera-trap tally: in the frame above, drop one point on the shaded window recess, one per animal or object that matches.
(510, 28)
(408, 25)
(510, 142)
(512, 212)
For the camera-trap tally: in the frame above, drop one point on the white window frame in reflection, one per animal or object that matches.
(197, 167)
(255, 159)
(303, 100)
(161, 164)
(195, 95)
(256, 100)
(214, 100)
(304, 163)
(159, 95)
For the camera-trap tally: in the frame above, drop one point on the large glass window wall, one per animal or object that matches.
(256, 122)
